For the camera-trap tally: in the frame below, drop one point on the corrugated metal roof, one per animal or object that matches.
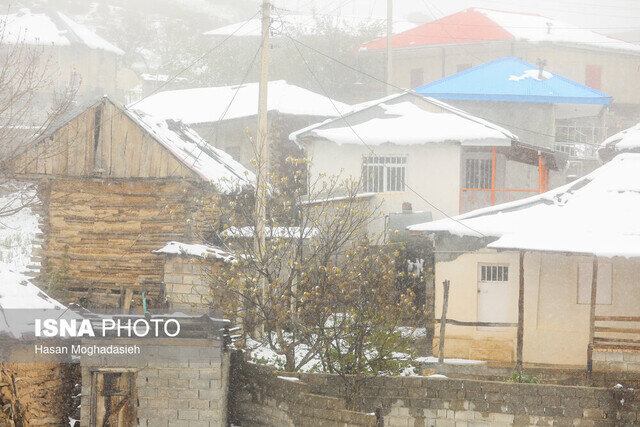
(512, 80)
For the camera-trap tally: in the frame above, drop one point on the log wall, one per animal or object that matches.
(98, 235)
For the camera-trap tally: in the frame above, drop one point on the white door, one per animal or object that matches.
(493, 294)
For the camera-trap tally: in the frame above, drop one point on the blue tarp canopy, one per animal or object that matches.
(513, 80)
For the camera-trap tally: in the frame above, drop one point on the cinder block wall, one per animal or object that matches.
(262, 398)
(186, 287)
(433, 401)
(178, 393)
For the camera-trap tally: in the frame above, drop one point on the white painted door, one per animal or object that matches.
(493, 293)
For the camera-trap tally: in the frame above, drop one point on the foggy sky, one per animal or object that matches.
(606, 16)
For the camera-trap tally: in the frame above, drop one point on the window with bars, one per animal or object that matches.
(478, 173)
(383, 173)
(494, 273)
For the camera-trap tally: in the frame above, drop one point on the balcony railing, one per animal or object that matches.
(579, 142)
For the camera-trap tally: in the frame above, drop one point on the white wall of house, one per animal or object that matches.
(432, 170)
(556, 324)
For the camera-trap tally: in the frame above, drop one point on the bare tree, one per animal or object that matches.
(321, 263)
(32, 101)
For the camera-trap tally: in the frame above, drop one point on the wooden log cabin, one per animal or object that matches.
(116, 184)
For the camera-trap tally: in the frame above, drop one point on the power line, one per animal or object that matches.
(369, 147)
(364, 73)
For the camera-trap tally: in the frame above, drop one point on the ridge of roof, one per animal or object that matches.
(512, 59)
(374, 103)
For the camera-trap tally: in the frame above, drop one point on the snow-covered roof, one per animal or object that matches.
(272, 232)
(626, 141)
(305, 24)
(596, 214)
(212, 104)
(476, 25)
(195, 250)
(399, 120)
(50, 28)
(210, 163)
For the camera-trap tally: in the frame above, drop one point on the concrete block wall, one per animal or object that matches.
(447, 402)
(262, 398)
(172, 393)
(186, 286)
(620, 361)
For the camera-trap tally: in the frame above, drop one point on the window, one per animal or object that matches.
(462, 67)
(478, 173)
(417, 77)
(593, 76)
(383, 173)
(603, 291)
(494, 273)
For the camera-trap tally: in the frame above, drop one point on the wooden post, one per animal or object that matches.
(389, 46)
(540, 167)
(520, 334)
(443, 320)
(493, 176)
(592, 316)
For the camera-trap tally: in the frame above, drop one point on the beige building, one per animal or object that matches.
(522, 274)
(410, 149)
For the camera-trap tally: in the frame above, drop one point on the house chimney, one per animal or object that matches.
(549, 25)
(406, 208)
(541, 64)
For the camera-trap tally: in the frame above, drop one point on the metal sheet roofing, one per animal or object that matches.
(512, 80)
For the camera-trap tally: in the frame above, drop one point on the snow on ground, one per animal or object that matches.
(17, 240)
(261, 353)
(213, 104)
(17, 231)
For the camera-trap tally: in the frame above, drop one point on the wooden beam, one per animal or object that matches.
(592, 316)
(443, 318)
(520, 334)
(617, 319)
(478, 324)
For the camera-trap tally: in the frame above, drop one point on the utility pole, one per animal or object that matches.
(262, 140)
(389, 45)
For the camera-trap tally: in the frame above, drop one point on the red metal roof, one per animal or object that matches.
(467, 26)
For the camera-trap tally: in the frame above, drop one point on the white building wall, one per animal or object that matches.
(433, 171)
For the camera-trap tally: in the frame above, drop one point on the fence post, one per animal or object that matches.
(592, 316)
(443, 320)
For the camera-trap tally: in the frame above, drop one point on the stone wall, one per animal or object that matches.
(98, 235)
(447, 402)
(37, 394)
(181, 392)
(259, 397)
